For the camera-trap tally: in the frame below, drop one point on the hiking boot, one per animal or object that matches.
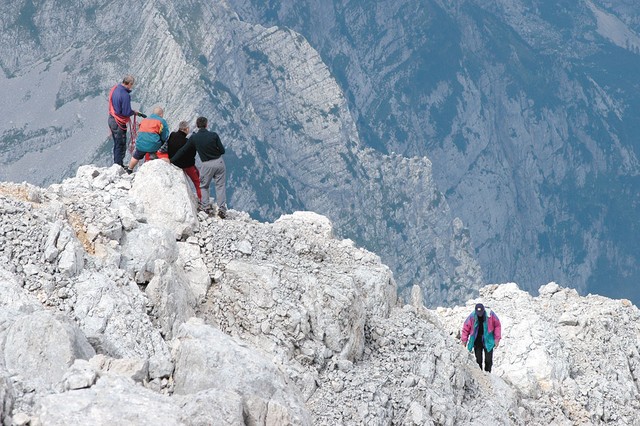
(222, 214)
(207, 208)
(128, 170)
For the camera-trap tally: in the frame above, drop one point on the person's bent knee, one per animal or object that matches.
(138, 155)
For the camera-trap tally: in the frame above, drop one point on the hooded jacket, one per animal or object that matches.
(153, 132)
(492, 330)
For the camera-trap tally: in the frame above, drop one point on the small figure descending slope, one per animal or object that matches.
(481, 332)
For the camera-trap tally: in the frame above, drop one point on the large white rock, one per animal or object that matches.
(378, 288)
(113, 317)
(536, 357)
(142, 246)
(206, 358)
(112, 400)
(172, 299)
(192, 264)
(71, 252)
(306, 220)
(13, 298)
(212, 407)
(41, 346)
(167, 199)
(336, 311)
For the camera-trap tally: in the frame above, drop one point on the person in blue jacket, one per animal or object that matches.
(153, 132)
(120, 112)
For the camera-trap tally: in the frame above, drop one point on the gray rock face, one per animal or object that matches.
(172, 299)
(294, 327)
(165, 200)
(283, 297)
(112, 400)
(191, 263)
(113, 316)
(13, 300)
(233, 367)
(40, 347)
(143, 246)
(212, 406)
(81, 375)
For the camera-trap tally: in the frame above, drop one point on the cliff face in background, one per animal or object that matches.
(291, 138)
(529, 111)
(465, 142)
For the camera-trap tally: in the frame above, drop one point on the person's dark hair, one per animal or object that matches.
(201, 122)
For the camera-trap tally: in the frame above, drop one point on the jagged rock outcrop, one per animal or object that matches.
(267, 395)
(169, 205)
(41, 346)
(582, 353)
(294, 327)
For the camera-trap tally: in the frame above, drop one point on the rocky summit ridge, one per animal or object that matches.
(120, 303)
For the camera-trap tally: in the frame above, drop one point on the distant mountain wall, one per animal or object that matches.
(528, 110)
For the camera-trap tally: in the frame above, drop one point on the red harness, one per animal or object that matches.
(123, 122)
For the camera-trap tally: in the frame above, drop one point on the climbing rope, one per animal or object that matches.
(133, 131)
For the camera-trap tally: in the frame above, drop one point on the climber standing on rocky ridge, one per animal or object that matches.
(119, 113)
(154, 131)
(186, 162)
(482, 332)
(210, 150)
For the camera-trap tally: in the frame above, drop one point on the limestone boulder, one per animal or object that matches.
(142, 246)
(206, 358)
(212, 407)
(191, 263)
(40, 347)
(167, 199)
(113, 315)
(112, 400)
(171, 297)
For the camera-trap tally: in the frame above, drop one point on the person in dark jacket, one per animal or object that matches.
(119, 116)
(482, 332)
(210, 150)
(187, 159)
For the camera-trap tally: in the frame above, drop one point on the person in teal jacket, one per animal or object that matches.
(153, 132)
(482, 332)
